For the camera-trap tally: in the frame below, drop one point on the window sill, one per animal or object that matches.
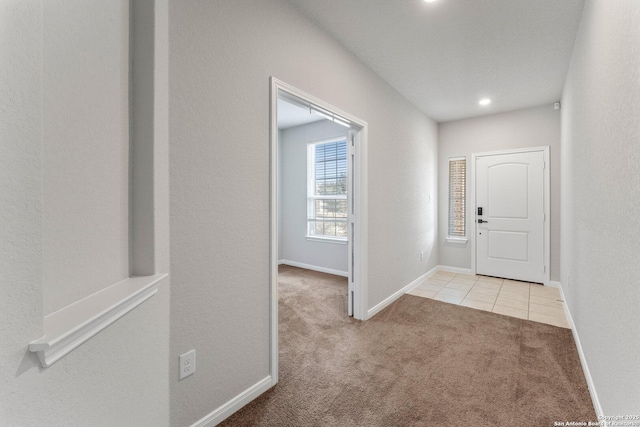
(457, 240)
(327, 240)
(68, 328)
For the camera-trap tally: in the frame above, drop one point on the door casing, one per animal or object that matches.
(547, 206)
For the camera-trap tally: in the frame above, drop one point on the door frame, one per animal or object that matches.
(547, 205)
(359, 240)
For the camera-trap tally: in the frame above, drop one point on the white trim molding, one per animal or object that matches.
(313, 267)
(456, 240)
(67, 328)
(583, 360)
(554, 284)
(387, 301)
(235, 404)
(326, 240)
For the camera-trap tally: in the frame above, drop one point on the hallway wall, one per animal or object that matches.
(601, 199)
(64, 216)
(222, 54)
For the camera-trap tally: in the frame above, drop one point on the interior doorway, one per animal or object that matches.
(512, 214)
(314, 170)
(334, 217)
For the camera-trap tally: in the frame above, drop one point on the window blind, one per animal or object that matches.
(327, 198)
(457, 196)
(331, 168)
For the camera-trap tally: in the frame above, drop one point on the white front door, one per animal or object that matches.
(510, 215)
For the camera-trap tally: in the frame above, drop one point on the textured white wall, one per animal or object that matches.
(601, 198)
(294, 245)
(119, 377)
(20, 206)
(531, 127)
(86, 148)
(222, 54)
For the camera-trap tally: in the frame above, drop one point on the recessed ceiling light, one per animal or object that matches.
(484, 101)
(429, 1)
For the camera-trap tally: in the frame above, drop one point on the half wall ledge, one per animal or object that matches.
(69, 327)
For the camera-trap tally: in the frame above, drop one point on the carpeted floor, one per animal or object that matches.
(419, 362)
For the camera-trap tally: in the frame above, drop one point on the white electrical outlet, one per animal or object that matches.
(422, 256)
(187, 364)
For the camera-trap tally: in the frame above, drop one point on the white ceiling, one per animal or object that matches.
(446, 55)
(290, 115)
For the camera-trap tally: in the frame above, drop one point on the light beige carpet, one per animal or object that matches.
(419, 362)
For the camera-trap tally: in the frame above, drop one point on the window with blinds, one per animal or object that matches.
(457, 196)
(327, 189)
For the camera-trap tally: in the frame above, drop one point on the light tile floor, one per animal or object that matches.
(524, 300)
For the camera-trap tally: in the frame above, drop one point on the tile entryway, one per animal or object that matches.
(524, 300)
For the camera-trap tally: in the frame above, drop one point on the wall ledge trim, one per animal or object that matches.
(313, 267)
(387, 301)
(235, 404)
(71, 326)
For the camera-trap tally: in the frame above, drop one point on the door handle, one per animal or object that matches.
(480, 221)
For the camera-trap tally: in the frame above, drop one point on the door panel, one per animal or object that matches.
(508, 245)
(510, 241)
(504, 184)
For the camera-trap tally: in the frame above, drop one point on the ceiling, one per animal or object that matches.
(446, 55)
(290, 115)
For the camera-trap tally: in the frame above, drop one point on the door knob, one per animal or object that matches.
(480, 221)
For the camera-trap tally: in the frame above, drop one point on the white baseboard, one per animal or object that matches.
(554, 284)
(455, 269)
(583, 360)
(382, 305)
(313, 267)
(232, 406)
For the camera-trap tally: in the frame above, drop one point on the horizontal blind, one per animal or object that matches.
(457, 196)
(327, 207)
(331, 168)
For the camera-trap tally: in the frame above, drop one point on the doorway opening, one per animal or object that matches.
(325, 186)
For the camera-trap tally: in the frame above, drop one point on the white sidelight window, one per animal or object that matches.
(457, 196)
(327, 189)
